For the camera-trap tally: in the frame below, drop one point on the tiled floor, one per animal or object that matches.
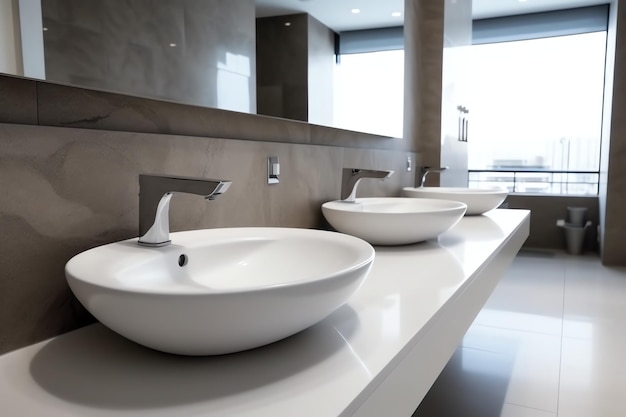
(551, 341)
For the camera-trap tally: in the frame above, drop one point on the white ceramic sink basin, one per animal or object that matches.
(478, 200)
(219, 291)
(393, 220)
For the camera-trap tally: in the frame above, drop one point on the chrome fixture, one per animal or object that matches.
(428, 170)
(155, 193)
(273, 170)
(463, 123)
(351, 177)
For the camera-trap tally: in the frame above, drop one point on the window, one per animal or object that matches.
(536, 114)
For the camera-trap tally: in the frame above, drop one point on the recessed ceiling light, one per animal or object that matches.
(173, 45)
(287, 24)
(45, 29)
(355, 11)
(396, 14)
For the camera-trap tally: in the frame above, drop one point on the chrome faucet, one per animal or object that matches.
(350, 179)
(428, 170)
(155, 193)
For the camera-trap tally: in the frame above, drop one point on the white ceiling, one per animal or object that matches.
(337, 15)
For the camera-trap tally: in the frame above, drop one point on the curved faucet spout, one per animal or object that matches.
(351, 177)
(155, 193)
(428, 170)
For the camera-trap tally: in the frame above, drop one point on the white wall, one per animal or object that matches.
(454, 92)
(31, 30)
(10, 48)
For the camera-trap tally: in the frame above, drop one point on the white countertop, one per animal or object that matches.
(365, 355)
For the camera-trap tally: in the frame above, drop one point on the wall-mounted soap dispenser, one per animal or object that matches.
(273, 170)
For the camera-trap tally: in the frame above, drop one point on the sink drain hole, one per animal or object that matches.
(182, 260)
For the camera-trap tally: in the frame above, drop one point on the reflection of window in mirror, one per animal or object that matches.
(369, 91)
(369, 81)
(233, 83)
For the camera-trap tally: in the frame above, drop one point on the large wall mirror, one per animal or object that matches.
(271, 57)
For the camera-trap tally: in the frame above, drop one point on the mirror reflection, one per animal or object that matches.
(265, 57)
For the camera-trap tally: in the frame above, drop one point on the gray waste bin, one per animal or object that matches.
(575, 228)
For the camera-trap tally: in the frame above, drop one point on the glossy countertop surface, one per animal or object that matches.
(326, 370)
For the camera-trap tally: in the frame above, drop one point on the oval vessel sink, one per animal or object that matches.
(478, 200)
(219, 291)
(393, 220)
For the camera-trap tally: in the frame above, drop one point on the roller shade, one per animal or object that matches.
(370, 40)
(541, 25)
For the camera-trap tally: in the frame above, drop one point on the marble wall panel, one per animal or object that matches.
(48, 104)
(323, 135)
(18, 100)
(221, 33)
(65, 106)
(66, 190)
(174, 50)
(282, 66)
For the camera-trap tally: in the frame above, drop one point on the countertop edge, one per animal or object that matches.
(370, 402)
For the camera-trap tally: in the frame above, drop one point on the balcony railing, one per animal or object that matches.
(520, 180)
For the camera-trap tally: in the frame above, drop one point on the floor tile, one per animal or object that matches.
(595, 296)
(522, 321)
(512, 410)
(533, 378)
(549, 342)
(473, 384)
(593, 377)
(516, 302)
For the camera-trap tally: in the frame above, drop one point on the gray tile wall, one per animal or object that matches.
(124, 45)
(282, 66)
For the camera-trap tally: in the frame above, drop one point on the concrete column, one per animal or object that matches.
(423, 37)
(613, 168)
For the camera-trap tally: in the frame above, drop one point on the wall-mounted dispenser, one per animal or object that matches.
(273, 170)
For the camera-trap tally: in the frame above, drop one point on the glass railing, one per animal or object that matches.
(537, 181)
